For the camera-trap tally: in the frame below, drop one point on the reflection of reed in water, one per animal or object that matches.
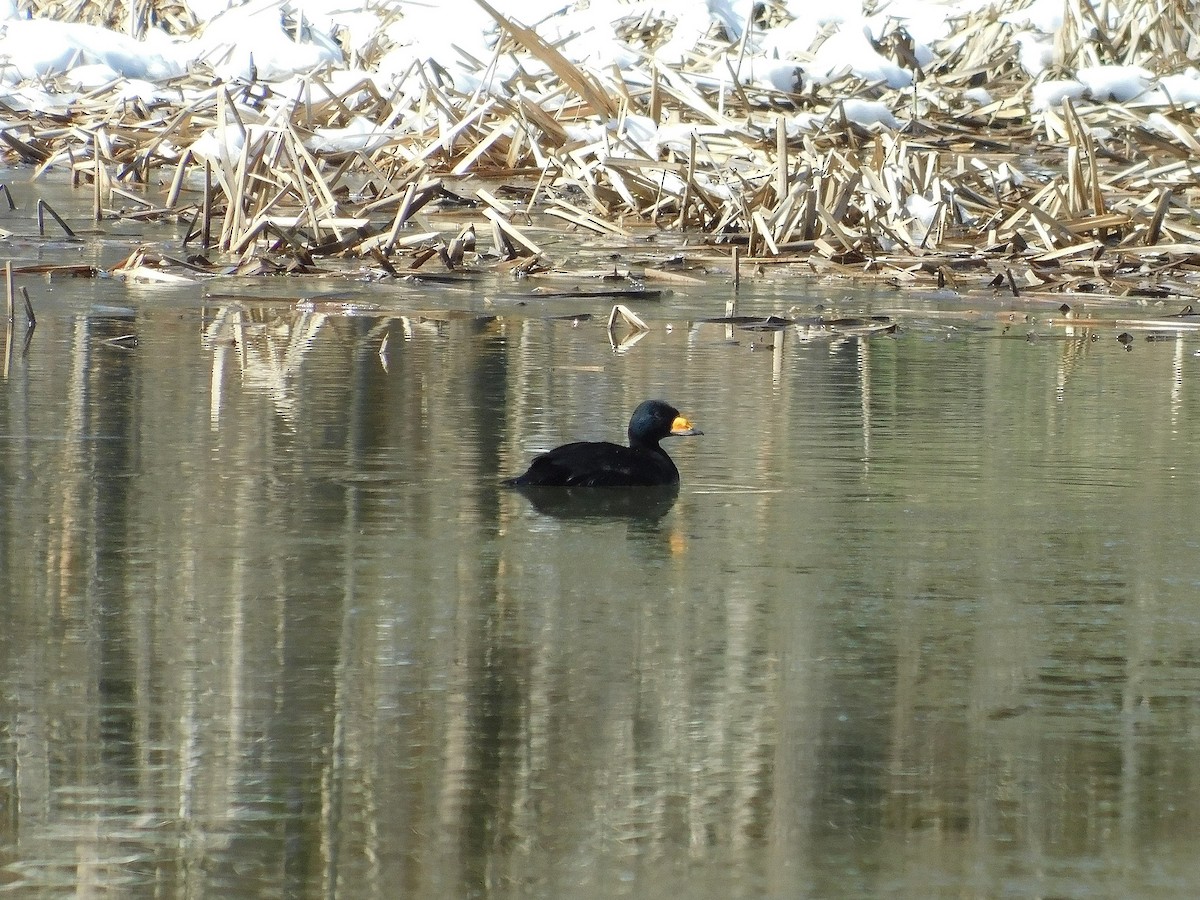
(270, 349)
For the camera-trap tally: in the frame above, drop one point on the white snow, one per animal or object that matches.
(44, 64)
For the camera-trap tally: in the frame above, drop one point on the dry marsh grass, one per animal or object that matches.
(1082, 196)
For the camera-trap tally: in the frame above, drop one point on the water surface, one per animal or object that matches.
(921, 621)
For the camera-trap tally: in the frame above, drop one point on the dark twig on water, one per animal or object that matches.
(30, 318)
(42, 208)
(8, 335)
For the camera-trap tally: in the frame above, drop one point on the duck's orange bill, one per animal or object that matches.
(681, 426)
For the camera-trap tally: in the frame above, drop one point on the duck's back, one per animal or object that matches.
(599, 464)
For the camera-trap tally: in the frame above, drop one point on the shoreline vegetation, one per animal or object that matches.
(1056, 162)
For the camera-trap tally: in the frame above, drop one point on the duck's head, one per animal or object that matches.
(654, 420)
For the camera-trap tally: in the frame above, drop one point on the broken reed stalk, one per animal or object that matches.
(8, 196)
(235, 207)
(97, 175)
(42, 208)
(30, 318)
(687, 185)
(632, 319)
(1155, 230)
(402, 212)
(781, 160)
(206, 207)
(510, 231)
(580, 82)
(185, 160)
(8, 293)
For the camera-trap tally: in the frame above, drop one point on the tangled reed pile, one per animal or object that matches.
(1086, 195)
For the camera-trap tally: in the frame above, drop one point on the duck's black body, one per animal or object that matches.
(602, 464)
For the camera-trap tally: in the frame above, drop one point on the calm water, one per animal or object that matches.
(924, 619)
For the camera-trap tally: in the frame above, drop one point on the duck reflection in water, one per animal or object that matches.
(646, 504)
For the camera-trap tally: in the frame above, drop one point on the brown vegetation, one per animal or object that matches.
(1087, 196)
